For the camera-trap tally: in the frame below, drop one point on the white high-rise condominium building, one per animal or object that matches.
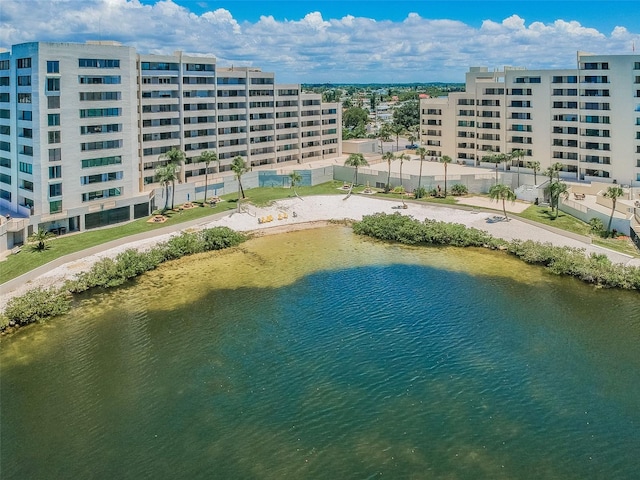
(586, 118)
(83, 128)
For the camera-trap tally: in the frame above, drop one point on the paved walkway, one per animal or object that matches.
(173, 228)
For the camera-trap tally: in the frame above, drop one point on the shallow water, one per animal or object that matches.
(354, 360)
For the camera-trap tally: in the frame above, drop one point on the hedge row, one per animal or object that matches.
(40, 304)
(596, 269)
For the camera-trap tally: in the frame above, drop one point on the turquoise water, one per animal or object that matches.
(363, 360)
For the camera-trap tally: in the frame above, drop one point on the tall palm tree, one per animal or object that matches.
(166, 175)
(613, 192)
(555, 190)
(402, 157)
(356, 160)
(389, 157)
(239, 167)
(207, 158)
(384, 135)
(423, 153)
(174, 157)
(414, 133)
(503, 192)
(295, 179)
(397, 129)
(445, 160)
(518, 155)
(535, 166)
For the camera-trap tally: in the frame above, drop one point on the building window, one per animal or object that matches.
(55, 172)
(55, 206)
(102, 80)
(5, 113)
(26, 150)
(25, 167)
(100, 112)
(102, 162)
(53, 102)
(24, 80)
(4, 178)
(97, 63)
(99, 96)
(24, 98)
(24, 63)
(4, 97)
(53, 66)
(55, 154)
(53, 119)
(5, 130)
(112, 192)
(4, 65)
(4, 81)
(53, 84)
(26, 133)
(54, 137)
(5, 162)
(55, 190)
(100, 177)
(5, 146)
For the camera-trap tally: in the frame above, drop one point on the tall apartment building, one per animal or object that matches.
(83, 128)
(587, 118)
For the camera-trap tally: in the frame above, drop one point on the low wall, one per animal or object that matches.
(622, 225)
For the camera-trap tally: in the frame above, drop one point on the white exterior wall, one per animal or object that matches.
(587, 118)
(158, 102)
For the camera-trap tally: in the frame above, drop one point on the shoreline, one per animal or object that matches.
(317, 212)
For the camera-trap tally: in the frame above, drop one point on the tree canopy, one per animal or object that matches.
(407, 114)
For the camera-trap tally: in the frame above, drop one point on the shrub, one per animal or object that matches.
(597, 226)
(595, 268)
(459, 189)
(37, 305)
(420, 192)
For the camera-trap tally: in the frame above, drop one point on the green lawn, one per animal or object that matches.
(27, 260)
(575, 225)
(564, 220)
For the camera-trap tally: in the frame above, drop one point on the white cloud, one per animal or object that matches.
(313, 48)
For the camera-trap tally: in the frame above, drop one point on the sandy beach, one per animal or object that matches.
(315, 211)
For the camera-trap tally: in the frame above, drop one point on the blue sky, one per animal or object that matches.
(308, 41)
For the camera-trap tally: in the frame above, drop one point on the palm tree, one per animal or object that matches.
(295, 178)
(518, 155)
(555, 190)
(495, 158)
(613, 192)
(239, 167)
(503, 192)
(174, 157)
(207, 158)
(384, 136)
(389, 157)
(402, 157)
(535, 166)
(397, 129)
(423, 153)
(445, 160)
(356, 160)
(166, 175)
(414, 133)
(40, 238)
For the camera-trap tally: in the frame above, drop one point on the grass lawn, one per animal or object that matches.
(564, 221)
(575, 225)
(27, 260)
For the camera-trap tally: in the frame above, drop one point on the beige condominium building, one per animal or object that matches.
(586, 118)
(83, 128)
